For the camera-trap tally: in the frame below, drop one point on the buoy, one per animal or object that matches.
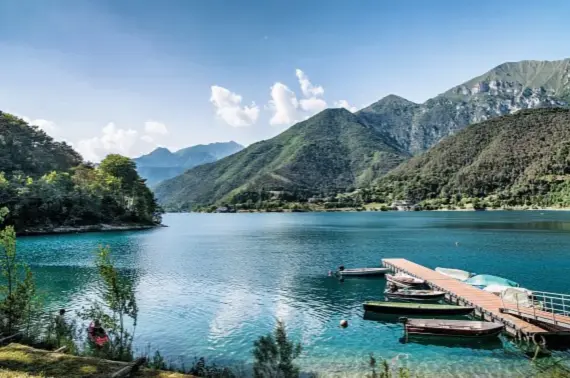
(330, 273)
(456, 244)
(344, 323)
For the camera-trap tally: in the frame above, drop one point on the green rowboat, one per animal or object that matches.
(416, 308)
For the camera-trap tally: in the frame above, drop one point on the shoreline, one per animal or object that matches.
(102, 227)
(355, 210)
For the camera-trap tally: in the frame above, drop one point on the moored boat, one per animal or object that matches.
(414, 295)
(364, 272)
(455, 328)
(458, 274)
(404, 280)
(484, 280)
(416, 308)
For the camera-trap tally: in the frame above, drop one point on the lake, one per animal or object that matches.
(210, 284)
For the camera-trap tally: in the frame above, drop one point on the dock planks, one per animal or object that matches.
(487, 305)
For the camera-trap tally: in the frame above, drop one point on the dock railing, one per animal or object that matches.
(542, 306)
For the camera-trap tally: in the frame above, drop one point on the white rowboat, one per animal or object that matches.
(404, 280)
(458, 274)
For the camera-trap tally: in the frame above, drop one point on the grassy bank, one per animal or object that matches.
(21, 361)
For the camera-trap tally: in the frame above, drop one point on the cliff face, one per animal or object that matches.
(503, 90)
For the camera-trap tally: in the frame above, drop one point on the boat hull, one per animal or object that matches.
(450, 328)
(415, 297)
(403, 284)
(418, 309)
(364, 272)
(458, 274)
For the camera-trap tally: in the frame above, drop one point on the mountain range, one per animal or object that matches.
(162, 164)
(336, 151)
(503, 90)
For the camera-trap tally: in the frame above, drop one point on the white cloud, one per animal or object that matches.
(313, 104)
(308, 89)
(153, 127)
(284, 105)
(345, 104)
(228, 107)
(287, 109)
(115, 140)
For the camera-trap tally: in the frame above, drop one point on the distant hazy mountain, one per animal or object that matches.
(503, 90)
(329, 152)
(161, 164)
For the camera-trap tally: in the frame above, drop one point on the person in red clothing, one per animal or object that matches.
(97, 334)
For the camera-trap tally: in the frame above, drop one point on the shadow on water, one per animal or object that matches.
(456, 342)
(504, 226)
(395, 318)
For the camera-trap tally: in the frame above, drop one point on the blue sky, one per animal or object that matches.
(125, 76)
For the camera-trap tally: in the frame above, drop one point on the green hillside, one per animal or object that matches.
(330, 152)
(28, 149)
(45, 185)
(519, 159)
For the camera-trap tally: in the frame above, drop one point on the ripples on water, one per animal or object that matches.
(210, 284)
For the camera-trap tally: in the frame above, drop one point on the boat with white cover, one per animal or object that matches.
(458, 274)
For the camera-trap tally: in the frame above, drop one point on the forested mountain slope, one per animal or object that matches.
(330, 152)
(519, 159)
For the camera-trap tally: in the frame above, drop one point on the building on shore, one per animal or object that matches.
(403, 205)
(225, 209)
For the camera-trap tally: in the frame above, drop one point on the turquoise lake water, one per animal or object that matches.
(210, 284)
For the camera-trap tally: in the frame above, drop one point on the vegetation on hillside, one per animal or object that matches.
(329, 153)
(45, 184)
(516, 160)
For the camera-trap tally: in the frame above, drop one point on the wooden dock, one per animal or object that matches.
(487, 305)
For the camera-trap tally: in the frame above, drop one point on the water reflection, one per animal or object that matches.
(456, 342)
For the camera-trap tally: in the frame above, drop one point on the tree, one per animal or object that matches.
(118, 306)
(274, 355)
(121, 167)
(19, 291)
